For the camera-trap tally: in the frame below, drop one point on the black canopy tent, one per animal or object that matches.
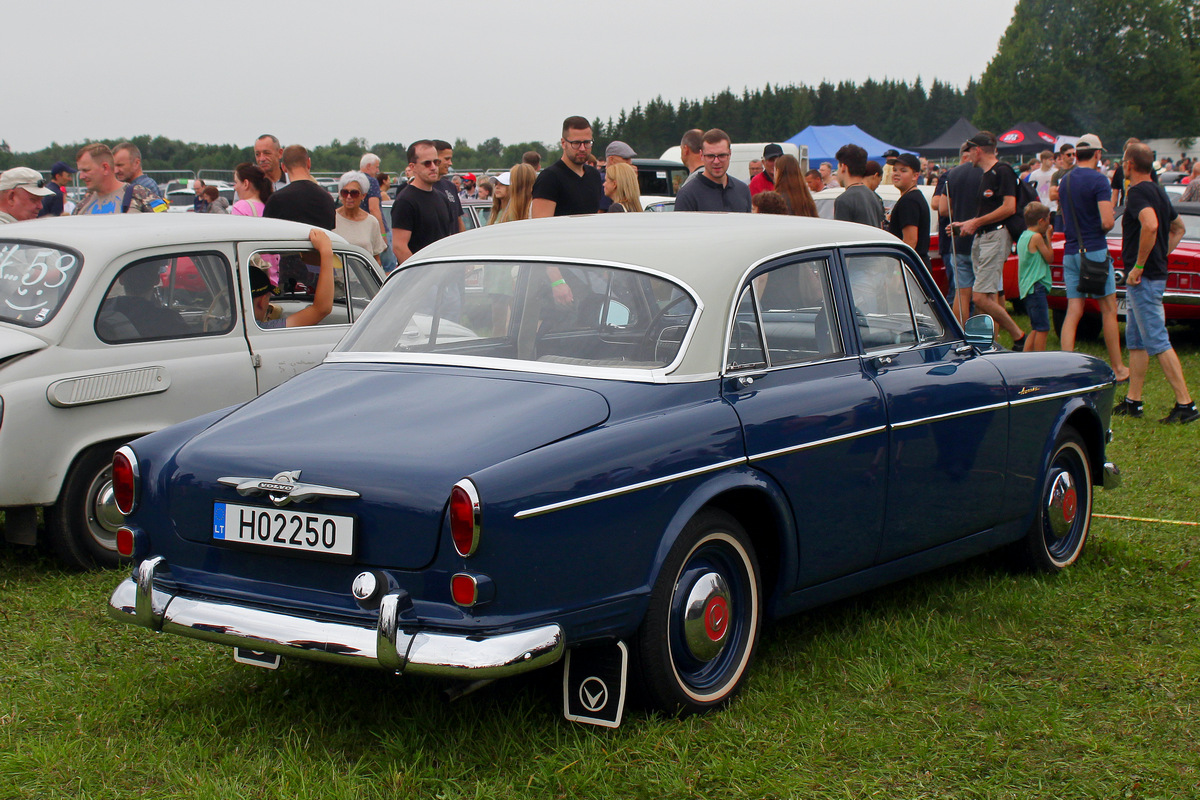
(1025, 138)
(948, 143)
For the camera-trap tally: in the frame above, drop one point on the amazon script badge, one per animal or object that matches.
(594, 684)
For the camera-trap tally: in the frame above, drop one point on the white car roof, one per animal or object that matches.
(706, 251)
(106, 236)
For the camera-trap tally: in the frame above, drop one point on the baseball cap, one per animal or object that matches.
(62, 166)
(619, 149)
(24, 178)
(909, 160)
(891, 153)
(504, 178)
(982, 139)
(470, 176)
(772, 151)
(1089, 141)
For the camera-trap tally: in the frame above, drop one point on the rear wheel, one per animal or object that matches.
(695, 645)
(82, 526)
(1063, 518)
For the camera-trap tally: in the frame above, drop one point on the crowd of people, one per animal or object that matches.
(981, 208)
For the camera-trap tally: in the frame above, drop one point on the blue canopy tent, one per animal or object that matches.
(825, 140)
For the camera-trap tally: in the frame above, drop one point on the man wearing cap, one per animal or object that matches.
(322, 304)
(53, 204)
(714, 189)
(955, 199)
(765, 180)
(1085, 203)
(889, 162)
(106, 193)
(21, 193)
(997, 202)
(615, 153)
(909, 220)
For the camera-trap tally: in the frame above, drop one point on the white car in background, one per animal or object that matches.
(115, 327)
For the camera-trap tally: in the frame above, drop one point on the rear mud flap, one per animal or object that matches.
(594, 684)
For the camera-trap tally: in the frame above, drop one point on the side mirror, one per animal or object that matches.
(981, 331)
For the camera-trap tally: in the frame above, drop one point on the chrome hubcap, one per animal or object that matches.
(706, 617)
(1062, 505)
(104, 518)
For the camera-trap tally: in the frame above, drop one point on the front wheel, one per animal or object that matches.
(82, 525)
(1063, 517)
(695, 644)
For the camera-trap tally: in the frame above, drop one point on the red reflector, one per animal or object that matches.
(464, 517)
(125, 542)
(462, 589)
(123, 484)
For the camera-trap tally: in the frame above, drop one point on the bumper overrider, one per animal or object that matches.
(139, 602)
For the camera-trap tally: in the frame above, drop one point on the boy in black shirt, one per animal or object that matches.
(909, 220)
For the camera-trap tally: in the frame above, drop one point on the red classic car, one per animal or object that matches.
(1182, 299)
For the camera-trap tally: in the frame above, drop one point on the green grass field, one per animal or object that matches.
(970, 682)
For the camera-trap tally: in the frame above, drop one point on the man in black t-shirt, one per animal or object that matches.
(301, 200)
(1150, 229)
(569, 185)
(421, 215)
(445, 153)
(909, 220)
(992, 245)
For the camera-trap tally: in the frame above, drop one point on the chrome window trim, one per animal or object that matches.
(512, 365)
(634, 487)
(792, 365)
(610, 373)
(818, 443)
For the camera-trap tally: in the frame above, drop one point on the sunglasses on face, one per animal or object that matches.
(351, 193)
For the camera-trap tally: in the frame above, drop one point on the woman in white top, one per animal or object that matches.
(353, 223)
(253, 188)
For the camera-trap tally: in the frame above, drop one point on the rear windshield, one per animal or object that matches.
(35, 280)
(555, 313)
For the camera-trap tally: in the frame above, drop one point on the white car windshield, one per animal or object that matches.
(596, 316)
(35, 279)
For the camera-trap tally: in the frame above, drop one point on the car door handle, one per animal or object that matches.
(883, 361)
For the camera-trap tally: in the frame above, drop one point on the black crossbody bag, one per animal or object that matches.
(1093, 274)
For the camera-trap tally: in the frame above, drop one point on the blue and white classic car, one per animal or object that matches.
(617, 441)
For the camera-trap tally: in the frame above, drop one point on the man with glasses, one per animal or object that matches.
(569, 185)
(765, 180)
(421, 215)
(714, 189)
(21, 193)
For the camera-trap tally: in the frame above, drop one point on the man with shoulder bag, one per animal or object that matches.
(1085, 203)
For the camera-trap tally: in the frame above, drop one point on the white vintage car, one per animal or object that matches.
(114, 327)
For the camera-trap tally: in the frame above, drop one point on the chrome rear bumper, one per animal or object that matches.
(139, 602)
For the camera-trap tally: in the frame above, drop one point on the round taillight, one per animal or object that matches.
(125, 542)
(125, 478)
(464, 517)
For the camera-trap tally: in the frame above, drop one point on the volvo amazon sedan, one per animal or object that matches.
(621, 442)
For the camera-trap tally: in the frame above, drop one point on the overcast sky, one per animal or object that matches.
(223, 71)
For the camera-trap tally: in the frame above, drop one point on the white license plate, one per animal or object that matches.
(1122, 305)
(284, 528)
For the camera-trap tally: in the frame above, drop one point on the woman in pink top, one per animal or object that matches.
(252, 187)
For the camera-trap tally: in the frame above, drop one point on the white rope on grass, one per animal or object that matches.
(1147, 519)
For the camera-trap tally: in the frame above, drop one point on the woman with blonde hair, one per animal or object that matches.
(499, 198)
(520, 193)
(621, 186)
(789, 182)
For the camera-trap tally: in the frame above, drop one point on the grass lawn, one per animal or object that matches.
(970, 682)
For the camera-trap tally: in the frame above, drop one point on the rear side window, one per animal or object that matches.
(35, 279)
(295, 282)
(167, 297)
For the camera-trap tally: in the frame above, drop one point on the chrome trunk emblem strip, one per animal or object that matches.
(283, 488)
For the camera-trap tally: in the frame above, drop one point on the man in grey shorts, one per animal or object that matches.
(997, 202)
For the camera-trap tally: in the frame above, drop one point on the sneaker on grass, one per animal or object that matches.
(1181, 413)
(1128, 408)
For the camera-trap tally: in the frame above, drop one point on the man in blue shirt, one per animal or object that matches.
(1085, 204)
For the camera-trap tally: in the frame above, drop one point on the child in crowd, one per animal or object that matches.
(1033, 272)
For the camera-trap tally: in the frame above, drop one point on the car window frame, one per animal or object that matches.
(297, 248)
(951, 330)
(169, 254)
